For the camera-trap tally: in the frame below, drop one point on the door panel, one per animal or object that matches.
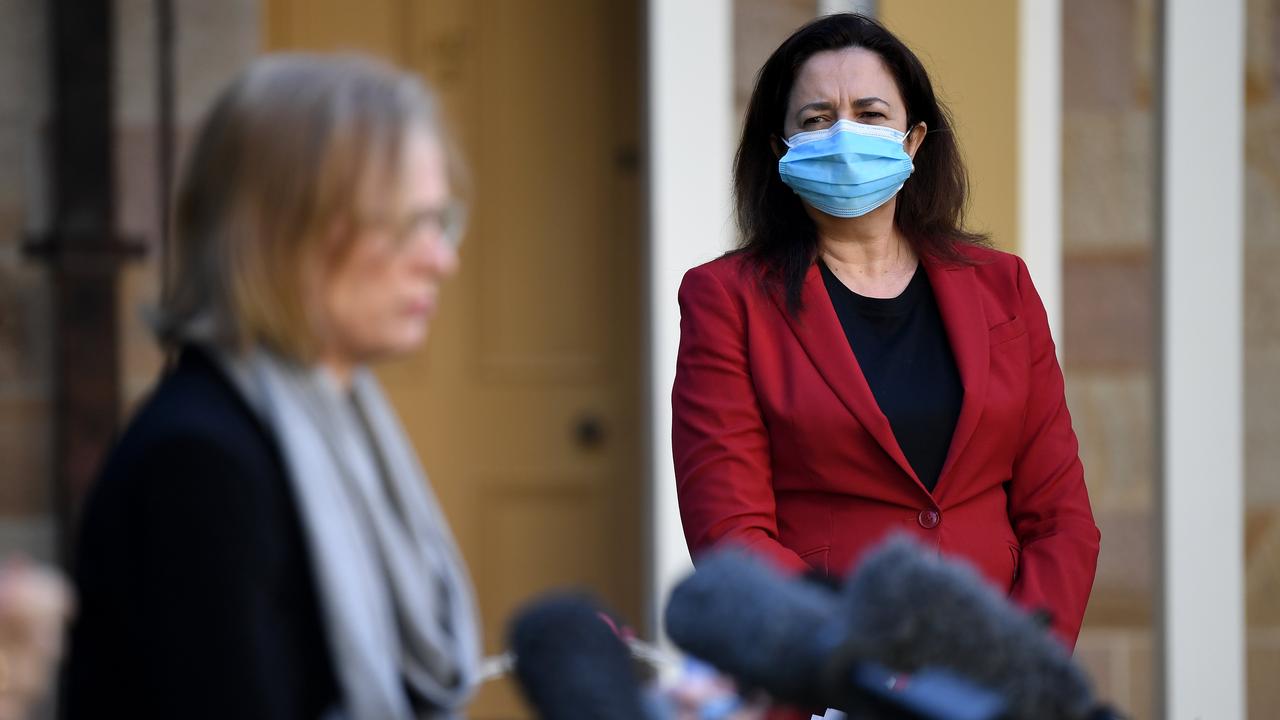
(370, 25)
(525, 405)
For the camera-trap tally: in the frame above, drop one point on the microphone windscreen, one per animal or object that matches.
(765, 630)
(570, 663)
(909, 609)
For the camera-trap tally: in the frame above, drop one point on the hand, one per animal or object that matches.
(701, 693)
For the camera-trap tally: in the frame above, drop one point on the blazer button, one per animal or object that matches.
(929, 519)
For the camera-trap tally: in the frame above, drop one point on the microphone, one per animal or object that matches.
(570, 663)
(911, 609)
(780, 636)
(749, 621)
(901, 612)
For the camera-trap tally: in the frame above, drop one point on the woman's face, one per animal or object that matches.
(379, 294)
(846, 84)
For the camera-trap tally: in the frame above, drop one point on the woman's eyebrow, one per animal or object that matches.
(826, 105)
(816, 105)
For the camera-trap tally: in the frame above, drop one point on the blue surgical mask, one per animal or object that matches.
(848, 169)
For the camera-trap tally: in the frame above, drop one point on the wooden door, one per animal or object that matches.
(526, 404)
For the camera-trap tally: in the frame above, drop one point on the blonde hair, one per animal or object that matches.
(296, 147)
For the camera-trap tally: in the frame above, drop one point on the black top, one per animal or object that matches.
(194, 577)
(901, 345)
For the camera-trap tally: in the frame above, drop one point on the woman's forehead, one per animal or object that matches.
(843, 75)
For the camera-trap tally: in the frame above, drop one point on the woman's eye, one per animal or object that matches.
(873, 115)
(417, 223)
(813, 120)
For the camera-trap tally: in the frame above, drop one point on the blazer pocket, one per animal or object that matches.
(1006, 331)
(817, 559)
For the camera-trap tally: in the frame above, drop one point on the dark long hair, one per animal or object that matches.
(778, 237)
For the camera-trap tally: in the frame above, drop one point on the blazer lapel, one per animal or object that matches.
(960, 304)
(822, 337)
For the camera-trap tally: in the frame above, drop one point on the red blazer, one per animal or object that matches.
(780, 446)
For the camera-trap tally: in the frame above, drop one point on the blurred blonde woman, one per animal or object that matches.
(262, 543)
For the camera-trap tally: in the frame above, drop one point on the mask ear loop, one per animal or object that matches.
(907, 137)
(778, 145)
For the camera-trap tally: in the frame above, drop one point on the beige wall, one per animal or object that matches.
(972, 58)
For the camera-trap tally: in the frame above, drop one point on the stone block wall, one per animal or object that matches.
(1262, 354)
(759, 27)
(26, 400)
(213, 40)
(1110, 324)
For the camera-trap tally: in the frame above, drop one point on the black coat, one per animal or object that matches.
(195, 584)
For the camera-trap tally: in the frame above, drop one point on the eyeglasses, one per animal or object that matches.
(446, 223)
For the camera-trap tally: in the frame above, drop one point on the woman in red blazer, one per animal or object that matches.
(863, 365)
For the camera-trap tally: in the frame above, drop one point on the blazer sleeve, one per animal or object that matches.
(1048, 501)
(720, 444)
(203, 592)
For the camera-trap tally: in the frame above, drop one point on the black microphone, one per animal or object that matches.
(750, 622)
(902, 612)
(911, 609)
(781, 636)
(570, 663)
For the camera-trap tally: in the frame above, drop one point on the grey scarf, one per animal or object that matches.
(394, 593)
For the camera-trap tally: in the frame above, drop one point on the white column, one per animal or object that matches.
(692, 136)
(1040, 151)
(1201, 375)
